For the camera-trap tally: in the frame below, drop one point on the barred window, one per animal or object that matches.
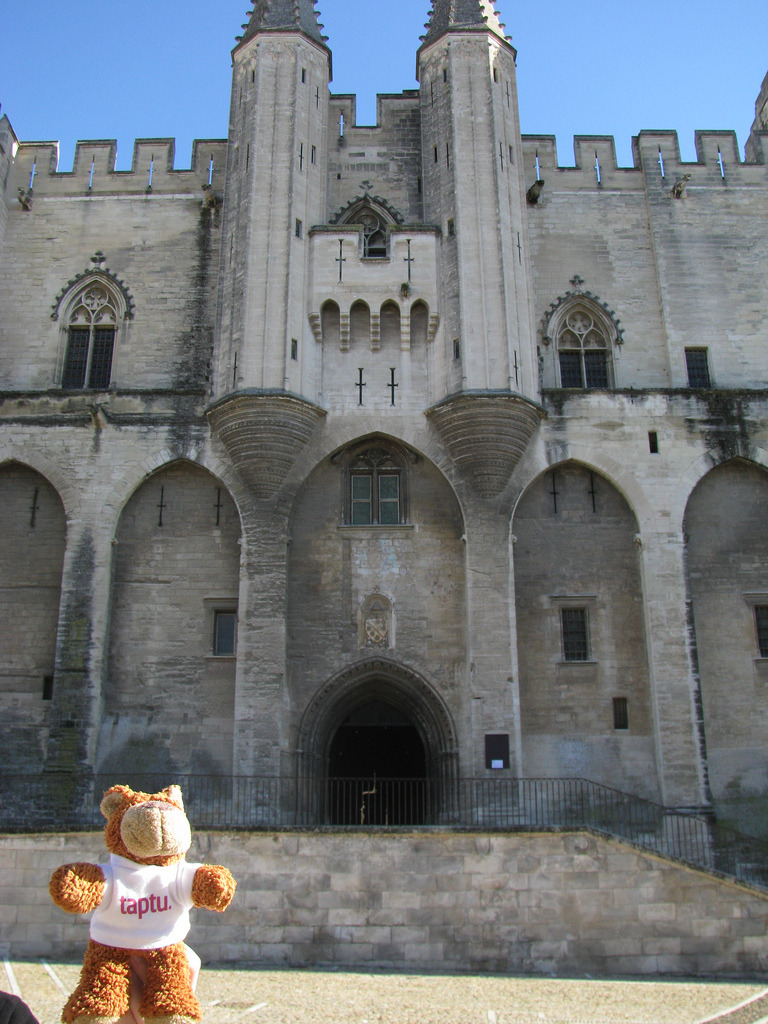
(697, 364)
(761, 625)
(583, 352)
(573, 623)
(91, 340)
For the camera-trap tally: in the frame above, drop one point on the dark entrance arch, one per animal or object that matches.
(377, 768)
(380, 746)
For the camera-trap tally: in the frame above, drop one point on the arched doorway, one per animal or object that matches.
(379, 749)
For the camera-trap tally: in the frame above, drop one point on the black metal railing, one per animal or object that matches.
(57, 803)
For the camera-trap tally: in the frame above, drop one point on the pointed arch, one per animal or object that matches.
(581, 632)
(360, 325)
(375, 217)
(419, 325)
(584, 336)
(92, 311)
(330, 324)
(384, 679)
(390, 325)
(172, 649)
(33, 535)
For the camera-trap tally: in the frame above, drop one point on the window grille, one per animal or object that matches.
(574, 629)
(761, 624)
(697, 364)
(583, 352)
(91, 341)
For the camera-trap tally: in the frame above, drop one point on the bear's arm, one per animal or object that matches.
(213, 888)
(77, 888)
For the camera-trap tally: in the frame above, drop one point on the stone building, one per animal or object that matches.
(397, 449)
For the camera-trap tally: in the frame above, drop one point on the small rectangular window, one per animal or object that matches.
(435, 154)
(294, 349)
(761, 625)
(573, 622)
(495, 75)
(451, 227)
(299, 229)
(456, 349)
(697, 364)
(314, 155)
(224, 633)
(445, 74)
(653, 442)
(303, 75)
(47, 687)
(620, 713)
(362, 503)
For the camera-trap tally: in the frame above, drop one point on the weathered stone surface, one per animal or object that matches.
(292, 908)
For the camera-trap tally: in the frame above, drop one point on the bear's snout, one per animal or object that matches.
(155, 829)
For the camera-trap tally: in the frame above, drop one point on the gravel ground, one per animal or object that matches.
(229, 995)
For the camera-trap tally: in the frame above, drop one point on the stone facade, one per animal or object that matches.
(466, 439)
(544, 903)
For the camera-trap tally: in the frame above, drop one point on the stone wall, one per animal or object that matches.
(552, 903)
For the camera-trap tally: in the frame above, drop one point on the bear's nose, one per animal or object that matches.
(155, 829)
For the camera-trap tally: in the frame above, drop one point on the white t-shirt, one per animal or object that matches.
(143, 907)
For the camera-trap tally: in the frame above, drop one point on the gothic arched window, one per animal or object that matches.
(374, 235)
(583, 351)
(91, 328)
(375, 487)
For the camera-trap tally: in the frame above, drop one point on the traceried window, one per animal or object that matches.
(583, 352)
(374, 235)
(91, 331)
(376, 489)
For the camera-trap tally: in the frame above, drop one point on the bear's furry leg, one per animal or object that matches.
(102, 994)
(168, 997)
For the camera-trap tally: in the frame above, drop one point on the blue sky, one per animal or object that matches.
(157, 68)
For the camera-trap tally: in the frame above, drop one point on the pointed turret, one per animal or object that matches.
(462, 16)
(285, 15)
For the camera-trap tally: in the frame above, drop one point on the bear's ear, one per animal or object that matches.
(114, 799)
(173, 795)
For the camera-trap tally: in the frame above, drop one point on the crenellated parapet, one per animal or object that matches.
(656, 157)
(153, 171)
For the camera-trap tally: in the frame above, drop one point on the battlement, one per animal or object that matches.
(656, 154)
(153, 171)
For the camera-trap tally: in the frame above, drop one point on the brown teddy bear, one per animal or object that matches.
(141, 900)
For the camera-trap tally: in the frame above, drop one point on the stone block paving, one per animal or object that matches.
(229, 995)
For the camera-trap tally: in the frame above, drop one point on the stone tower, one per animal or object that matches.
(275, 191)
(474, 189)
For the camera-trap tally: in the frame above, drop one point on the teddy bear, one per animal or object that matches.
(141, 901)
